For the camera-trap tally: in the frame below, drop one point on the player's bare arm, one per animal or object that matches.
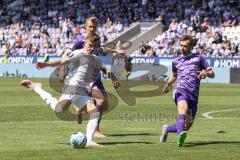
(205, 73)
(111, 75)
(54, 63)
(169, 83)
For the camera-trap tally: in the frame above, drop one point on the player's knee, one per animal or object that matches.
(102, 105)
(182, 107)
(100, 101)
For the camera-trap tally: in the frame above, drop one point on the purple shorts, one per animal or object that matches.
(179, 95)
(100, 86)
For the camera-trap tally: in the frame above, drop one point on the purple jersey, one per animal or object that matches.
(186, 68)
(79, 42)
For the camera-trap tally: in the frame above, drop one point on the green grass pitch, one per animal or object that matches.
(30, 130)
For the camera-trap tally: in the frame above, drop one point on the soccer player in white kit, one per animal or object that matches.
(85, 65)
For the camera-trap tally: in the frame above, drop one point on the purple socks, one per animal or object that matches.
(171, 128)
(180, 123)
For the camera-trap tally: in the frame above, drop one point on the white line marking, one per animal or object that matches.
(207, 114)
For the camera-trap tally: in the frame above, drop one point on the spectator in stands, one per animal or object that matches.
(119, 27)
(173, 26)
(217, 38)
(161, 19)
(205, 25)
(150, 52)
(59, 21)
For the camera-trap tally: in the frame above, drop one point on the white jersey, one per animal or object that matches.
(83, 67)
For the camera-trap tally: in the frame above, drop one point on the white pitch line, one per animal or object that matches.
(207, 114)
(226, 118)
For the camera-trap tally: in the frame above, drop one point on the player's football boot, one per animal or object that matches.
(79, 117)
(181, 138)
(93, 144)
(98, 134)
(164, 135)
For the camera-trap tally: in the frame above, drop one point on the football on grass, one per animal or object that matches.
(78, 140)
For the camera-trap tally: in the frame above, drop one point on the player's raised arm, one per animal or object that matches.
(54, 63)
(111, 75)
(205, 70)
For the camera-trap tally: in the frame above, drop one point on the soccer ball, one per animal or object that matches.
(78, 140)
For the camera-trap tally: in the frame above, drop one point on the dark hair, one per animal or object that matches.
(185, 38)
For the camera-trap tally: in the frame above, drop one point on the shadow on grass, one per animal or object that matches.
(115, 143)
(130, 134)
(192, 144)
(64, 143)
(111, 143)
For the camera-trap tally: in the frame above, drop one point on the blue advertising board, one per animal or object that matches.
(24, 66)
(24, 71)
(21, 59)
(166, 61)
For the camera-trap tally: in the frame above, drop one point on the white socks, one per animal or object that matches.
(49, 99)
(92, 125)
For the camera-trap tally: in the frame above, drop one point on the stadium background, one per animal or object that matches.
(147, 28)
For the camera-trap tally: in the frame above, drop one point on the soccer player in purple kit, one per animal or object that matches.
(187, 70)
(101, 104)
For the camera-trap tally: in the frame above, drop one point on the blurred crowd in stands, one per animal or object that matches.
(37, 27)
(33, 27)
(214, 24)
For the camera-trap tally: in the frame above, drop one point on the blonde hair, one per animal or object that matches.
(93, 38)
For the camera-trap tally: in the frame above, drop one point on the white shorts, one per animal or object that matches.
(79, 100)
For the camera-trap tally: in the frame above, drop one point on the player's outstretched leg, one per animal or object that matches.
(46, 97)
(167, 129)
